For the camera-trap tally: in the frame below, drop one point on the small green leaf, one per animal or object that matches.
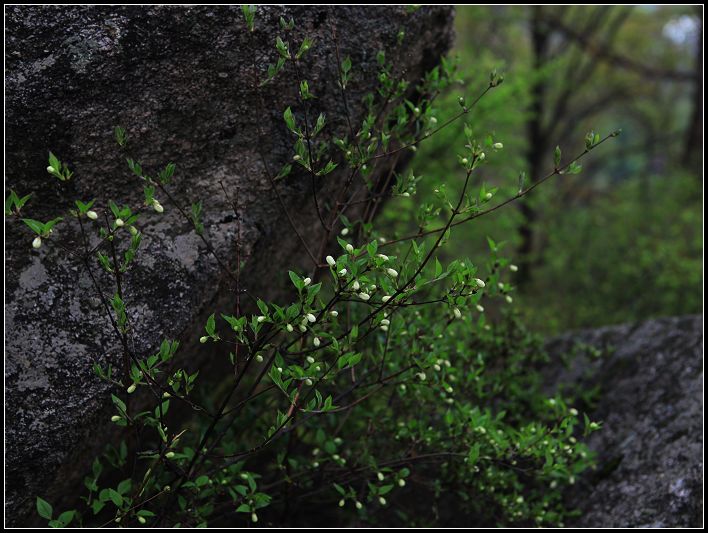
(44, 508)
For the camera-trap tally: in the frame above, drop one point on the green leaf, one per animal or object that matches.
(115, 497)
(211, 325)
(44, 508)
(557, 156)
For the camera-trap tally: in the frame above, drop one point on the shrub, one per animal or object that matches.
(380, 382)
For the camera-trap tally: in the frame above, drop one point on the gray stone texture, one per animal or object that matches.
(180, 80)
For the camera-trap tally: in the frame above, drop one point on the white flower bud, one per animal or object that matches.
(350, 248)
(37, 242)
(479, 282)
(380, 476)
(119, 222)
(343, 272)
(457, 313)
(341, 503)
(259, 358)
(498, 146)
(308, 382)
(133, 231)
(50, 169)
(330, 260)
(115, 418)
(254, 517)
(401, 482)
(334, 313)
(465, 161)
(433, 120)
(421, 376)
(358, 505)
(573, 411)
(157, 206)
(344, 232)
(170, 455)
(296, 157)
(482, 156)
(92, 214)
(385, 322)
(302, 328)
(385, 299)
(364, 296)
(166, 395)
(383, 256)
(310, 359)
(416, 110)
(488, 196)
(384, 328)
(509, 299)
(141, 519)
(513, 268)
(306, 281)
(382, 500)
(436, 367)
(261, 319)
(131, 389)
(355, 285)
(203, 339)
(316, 341)
(310, 317)
(391, 272)
(289, 327)
(480, 308)
(407, 194)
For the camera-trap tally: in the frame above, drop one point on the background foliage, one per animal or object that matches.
(622, 241)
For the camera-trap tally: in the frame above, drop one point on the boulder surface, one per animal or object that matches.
(181, 81)
(650, 403)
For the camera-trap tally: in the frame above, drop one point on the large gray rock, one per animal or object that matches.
(650, 448)
(180, 80)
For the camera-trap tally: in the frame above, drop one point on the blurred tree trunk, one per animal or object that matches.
(693, 148)
(536, 138)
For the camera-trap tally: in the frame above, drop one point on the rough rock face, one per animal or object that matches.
(650, 448)
(180, 80)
